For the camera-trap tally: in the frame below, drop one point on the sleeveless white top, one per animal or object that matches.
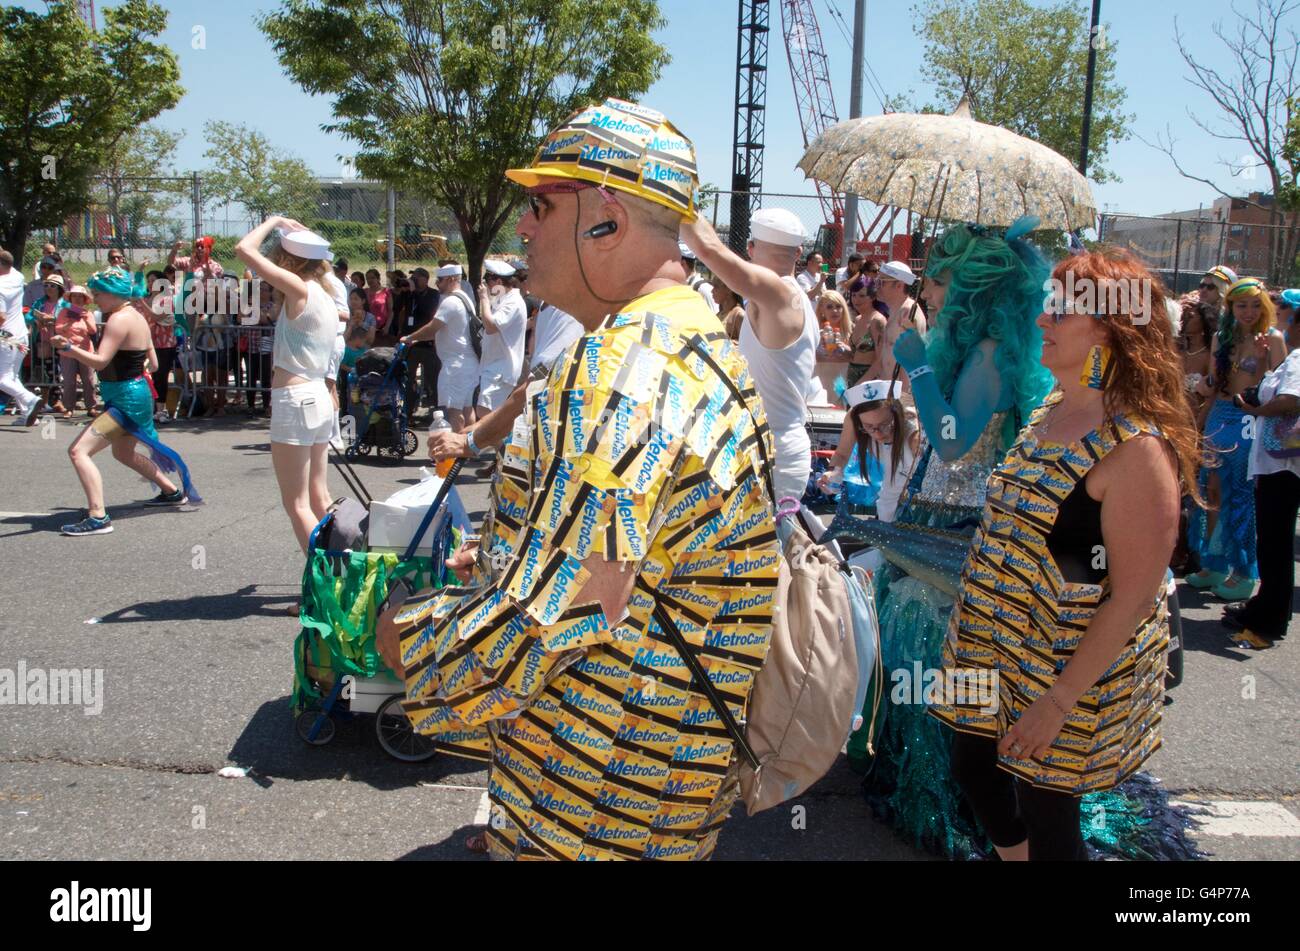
(783, 379)
(304, 345)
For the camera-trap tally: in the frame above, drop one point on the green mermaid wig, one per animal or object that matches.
(995, 290)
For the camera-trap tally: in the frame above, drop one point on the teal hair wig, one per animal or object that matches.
(995, 291)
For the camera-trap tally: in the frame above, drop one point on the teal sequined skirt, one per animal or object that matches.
(135, 401)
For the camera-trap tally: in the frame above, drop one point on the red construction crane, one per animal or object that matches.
(813, 99)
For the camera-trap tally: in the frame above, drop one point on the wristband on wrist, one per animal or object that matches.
(920, 371)
(473, 446)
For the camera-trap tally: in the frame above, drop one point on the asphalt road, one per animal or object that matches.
(187, 613)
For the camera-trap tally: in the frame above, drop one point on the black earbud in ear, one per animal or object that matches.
(601, 230)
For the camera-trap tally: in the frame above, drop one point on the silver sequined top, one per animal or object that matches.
(961, 484)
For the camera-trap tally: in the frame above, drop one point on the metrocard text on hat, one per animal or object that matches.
(777, 226)
(306, 244)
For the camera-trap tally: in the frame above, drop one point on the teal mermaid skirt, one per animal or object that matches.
(134, 399)
(909, 780)
(130, 404)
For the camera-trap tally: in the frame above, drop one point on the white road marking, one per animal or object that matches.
(484, 811)
(1227, 817)
(25, 514)
(482, 789)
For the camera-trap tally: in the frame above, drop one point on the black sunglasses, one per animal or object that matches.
(1209, 287)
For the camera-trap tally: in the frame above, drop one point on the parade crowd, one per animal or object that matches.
(642, 391)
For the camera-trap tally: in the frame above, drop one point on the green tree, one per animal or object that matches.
(248, 170)
(138, 185)
(1024, 67)
(67, 96)
(442, 96)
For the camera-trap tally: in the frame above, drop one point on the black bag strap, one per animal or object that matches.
(701, 676)
(438, 498)
(697, 345)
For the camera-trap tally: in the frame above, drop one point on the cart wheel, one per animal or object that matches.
(307, 720)
(396, 736)
(410, 442)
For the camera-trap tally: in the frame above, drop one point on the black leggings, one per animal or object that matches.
(1010, 809)
(166, 357)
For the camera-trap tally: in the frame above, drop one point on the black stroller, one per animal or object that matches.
(376, 403)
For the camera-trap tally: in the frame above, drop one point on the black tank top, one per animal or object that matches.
(125, 365)
(1075, 539)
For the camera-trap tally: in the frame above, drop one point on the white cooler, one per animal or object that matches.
(393, 522)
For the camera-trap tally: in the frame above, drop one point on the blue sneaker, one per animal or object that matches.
(89, 526)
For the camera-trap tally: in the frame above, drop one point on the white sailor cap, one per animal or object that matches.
(777, 226)
(306, 244)
(498, 268)
(898, 271)
(450, 270)
(873, 391)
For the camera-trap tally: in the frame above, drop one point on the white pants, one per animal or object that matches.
(11, 361)
(494, 390)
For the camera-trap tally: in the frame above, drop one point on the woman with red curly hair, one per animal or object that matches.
(1061, 612)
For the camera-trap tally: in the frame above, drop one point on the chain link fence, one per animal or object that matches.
(890, 237)
(145, 217)
(1180, 249)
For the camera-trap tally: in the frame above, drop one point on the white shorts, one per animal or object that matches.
(456, 385)
(302, 414)
(494, 391)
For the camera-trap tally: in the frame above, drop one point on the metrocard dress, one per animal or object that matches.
(1018, 616)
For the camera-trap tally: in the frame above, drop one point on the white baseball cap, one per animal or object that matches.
(306, 244)
(873, 391)
(684, 251)
(497, 268)
(450, 270)
(898, 271)
(777, 226)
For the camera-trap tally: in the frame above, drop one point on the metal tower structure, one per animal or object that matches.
(749, 123)
(87, 10)
(810, 74)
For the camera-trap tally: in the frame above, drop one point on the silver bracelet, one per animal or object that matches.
(920, 371)
(1050, 695)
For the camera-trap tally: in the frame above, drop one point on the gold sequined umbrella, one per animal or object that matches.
(951, 167)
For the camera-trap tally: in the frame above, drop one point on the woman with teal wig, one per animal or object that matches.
(975, 379)
(125, 351)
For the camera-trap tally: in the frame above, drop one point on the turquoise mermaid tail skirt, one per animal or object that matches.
(1231, 546)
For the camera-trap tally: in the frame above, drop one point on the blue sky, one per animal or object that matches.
(237, 78)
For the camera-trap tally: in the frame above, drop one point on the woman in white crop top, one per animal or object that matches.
(302, 409)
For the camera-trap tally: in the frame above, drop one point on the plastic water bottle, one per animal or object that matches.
(438, 424)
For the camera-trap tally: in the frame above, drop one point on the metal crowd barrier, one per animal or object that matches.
(209, 364)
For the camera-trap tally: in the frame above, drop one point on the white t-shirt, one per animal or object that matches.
(11, 304)
(503, 351)
(806, 281)
(452, 341)
(1284, 381)
(782, 378)
(553, 333)
(892, 489)
(340, 295)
